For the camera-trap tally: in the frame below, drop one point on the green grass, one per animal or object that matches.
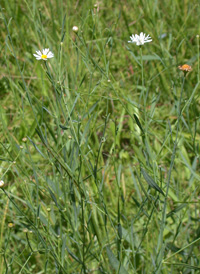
(107, 177)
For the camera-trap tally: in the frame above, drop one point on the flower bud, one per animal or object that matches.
(75, 29)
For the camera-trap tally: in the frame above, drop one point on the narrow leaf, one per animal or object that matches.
(176, 209)
(74, 256)
(138, 122)
(53, 197)
(36, 148)
(151, 182)
(114, 262)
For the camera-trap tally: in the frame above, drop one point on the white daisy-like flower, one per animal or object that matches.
(44, 55)
(1, 183)
(140, 39)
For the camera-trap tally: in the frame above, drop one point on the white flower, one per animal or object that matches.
(44, 55)
(1, 183)
(140, 39)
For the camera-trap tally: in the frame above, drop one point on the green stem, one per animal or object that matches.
(160, 241)
(141, 60)
(180, 250)
(198, 56)
(60, 63)
(142, 68)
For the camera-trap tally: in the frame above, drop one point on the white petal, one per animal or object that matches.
(50, 55)
(38, 52)
(36, 55)
(140, 39)
(45, 51)
(133, 39)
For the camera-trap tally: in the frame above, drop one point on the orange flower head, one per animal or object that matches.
(185, 67)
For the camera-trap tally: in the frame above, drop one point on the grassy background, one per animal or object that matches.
(100, 166)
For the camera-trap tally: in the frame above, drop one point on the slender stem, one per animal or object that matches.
(198, 56)
(142, 68)
(60, 63)
(160, 242)
(181, 249)
(1, 235)
(143, 93)
(141, 60)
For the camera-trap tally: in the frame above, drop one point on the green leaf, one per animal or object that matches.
(53, 197)
(176, 209)
(74, 256)
(36, 148)
(186, 266)
(151, 182)
(138, 122)
(114, 262)
(149, 57)
(174, 248)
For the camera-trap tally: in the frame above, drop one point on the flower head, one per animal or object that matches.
(185, 67)
(75, 29)
(140, 39)
(44, 55)
(1, 183)
(10, 225)
(24, 139)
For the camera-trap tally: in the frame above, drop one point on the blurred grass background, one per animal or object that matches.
(101, 173)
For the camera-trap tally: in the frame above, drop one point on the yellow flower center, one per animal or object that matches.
(44, 56)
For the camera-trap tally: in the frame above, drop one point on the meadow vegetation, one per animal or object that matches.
(100, 144)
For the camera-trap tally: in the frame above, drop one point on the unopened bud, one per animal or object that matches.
(75, 29)
(24, 139)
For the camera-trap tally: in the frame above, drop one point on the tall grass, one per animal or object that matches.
(100, 144)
